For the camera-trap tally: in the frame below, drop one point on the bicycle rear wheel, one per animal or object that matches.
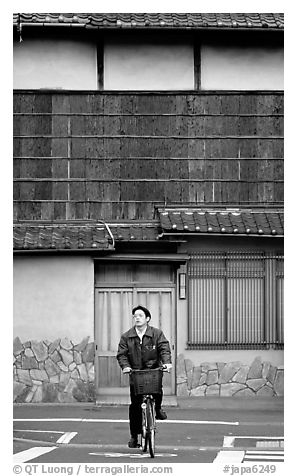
(150, 415)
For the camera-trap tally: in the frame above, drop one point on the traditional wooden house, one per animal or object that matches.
(148, 168)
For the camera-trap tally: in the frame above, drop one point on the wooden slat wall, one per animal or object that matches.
(110, 156)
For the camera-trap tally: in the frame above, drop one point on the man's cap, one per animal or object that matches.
(142, 308)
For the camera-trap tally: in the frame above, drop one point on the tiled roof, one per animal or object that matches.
(156, 20)
(36, 236)
(60, 237)
(222, 222)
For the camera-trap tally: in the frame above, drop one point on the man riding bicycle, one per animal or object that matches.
(142, 347)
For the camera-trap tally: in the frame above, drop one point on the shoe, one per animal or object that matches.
(132, 443)
(160, 414)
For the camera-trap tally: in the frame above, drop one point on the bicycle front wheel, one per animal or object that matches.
(150, 415)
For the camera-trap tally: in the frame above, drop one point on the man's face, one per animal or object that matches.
(140, 318)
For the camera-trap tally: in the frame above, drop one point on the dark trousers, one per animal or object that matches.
(135, 410)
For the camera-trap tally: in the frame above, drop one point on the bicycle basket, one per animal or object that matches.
(147, 381)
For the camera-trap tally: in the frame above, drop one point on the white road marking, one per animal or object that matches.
(31, 453)
(109, 420)
(41, 431)
(229, 456)
(229, 440)
(131, 455)
(67, 437)
(259, 455)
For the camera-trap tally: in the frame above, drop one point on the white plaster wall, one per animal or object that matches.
(53, 297)
(54, 63)
(238, 67)
(145, 66)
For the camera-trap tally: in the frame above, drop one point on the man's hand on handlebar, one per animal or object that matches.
(127, 370)
(167, 367)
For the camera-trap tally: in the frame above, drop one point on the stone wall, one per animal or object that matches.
(58, 371)
(229, 379)
(62, 371)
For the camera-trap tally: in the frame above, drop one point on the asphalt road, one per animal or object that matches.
(200, 433)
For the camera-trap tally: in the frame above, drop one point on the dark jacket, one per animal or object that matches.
(153, 351)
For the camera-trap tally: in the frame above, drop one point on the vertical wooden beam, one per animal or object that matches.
(197, 64)
(100, 62)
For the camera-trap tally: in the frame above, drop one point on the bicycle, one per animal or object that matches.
(147, 382)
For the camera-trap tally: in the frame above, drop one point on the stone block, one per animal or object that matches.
(40, 350)
(189, 378)
(212, 377)
(81, 347)
(265, 369)
(53, 346)
(55, 356)
(246, 392)
(213, 390)
(229, 389)
(29, 352)
(72, 366)
(220, 366)
(18, 389)
(51, 367)
(17, 346)
(36, 383)
(206, 366)
(271, 374)
(255, 383)
(29, 363)
(241, 374)
(23, 376)
(77, 357)
(27, 344)
(38, 374)
(279, 383)
(88, 354)
(54, 379)
(67, 357)
(83, 372)
(196, 377)
(74, 374)
(265, 391)
(49, 392)
(66, 344)
(91, 371)
(188, 365)
(203, 379)
(37, 397)
(62, 366)
(180, 366)
(29, 396)
(182, 390)
(255, 369)
(198, 391)
(228, 372)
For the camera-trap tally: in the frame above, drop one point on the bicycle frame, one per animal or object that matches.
(148, 421)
